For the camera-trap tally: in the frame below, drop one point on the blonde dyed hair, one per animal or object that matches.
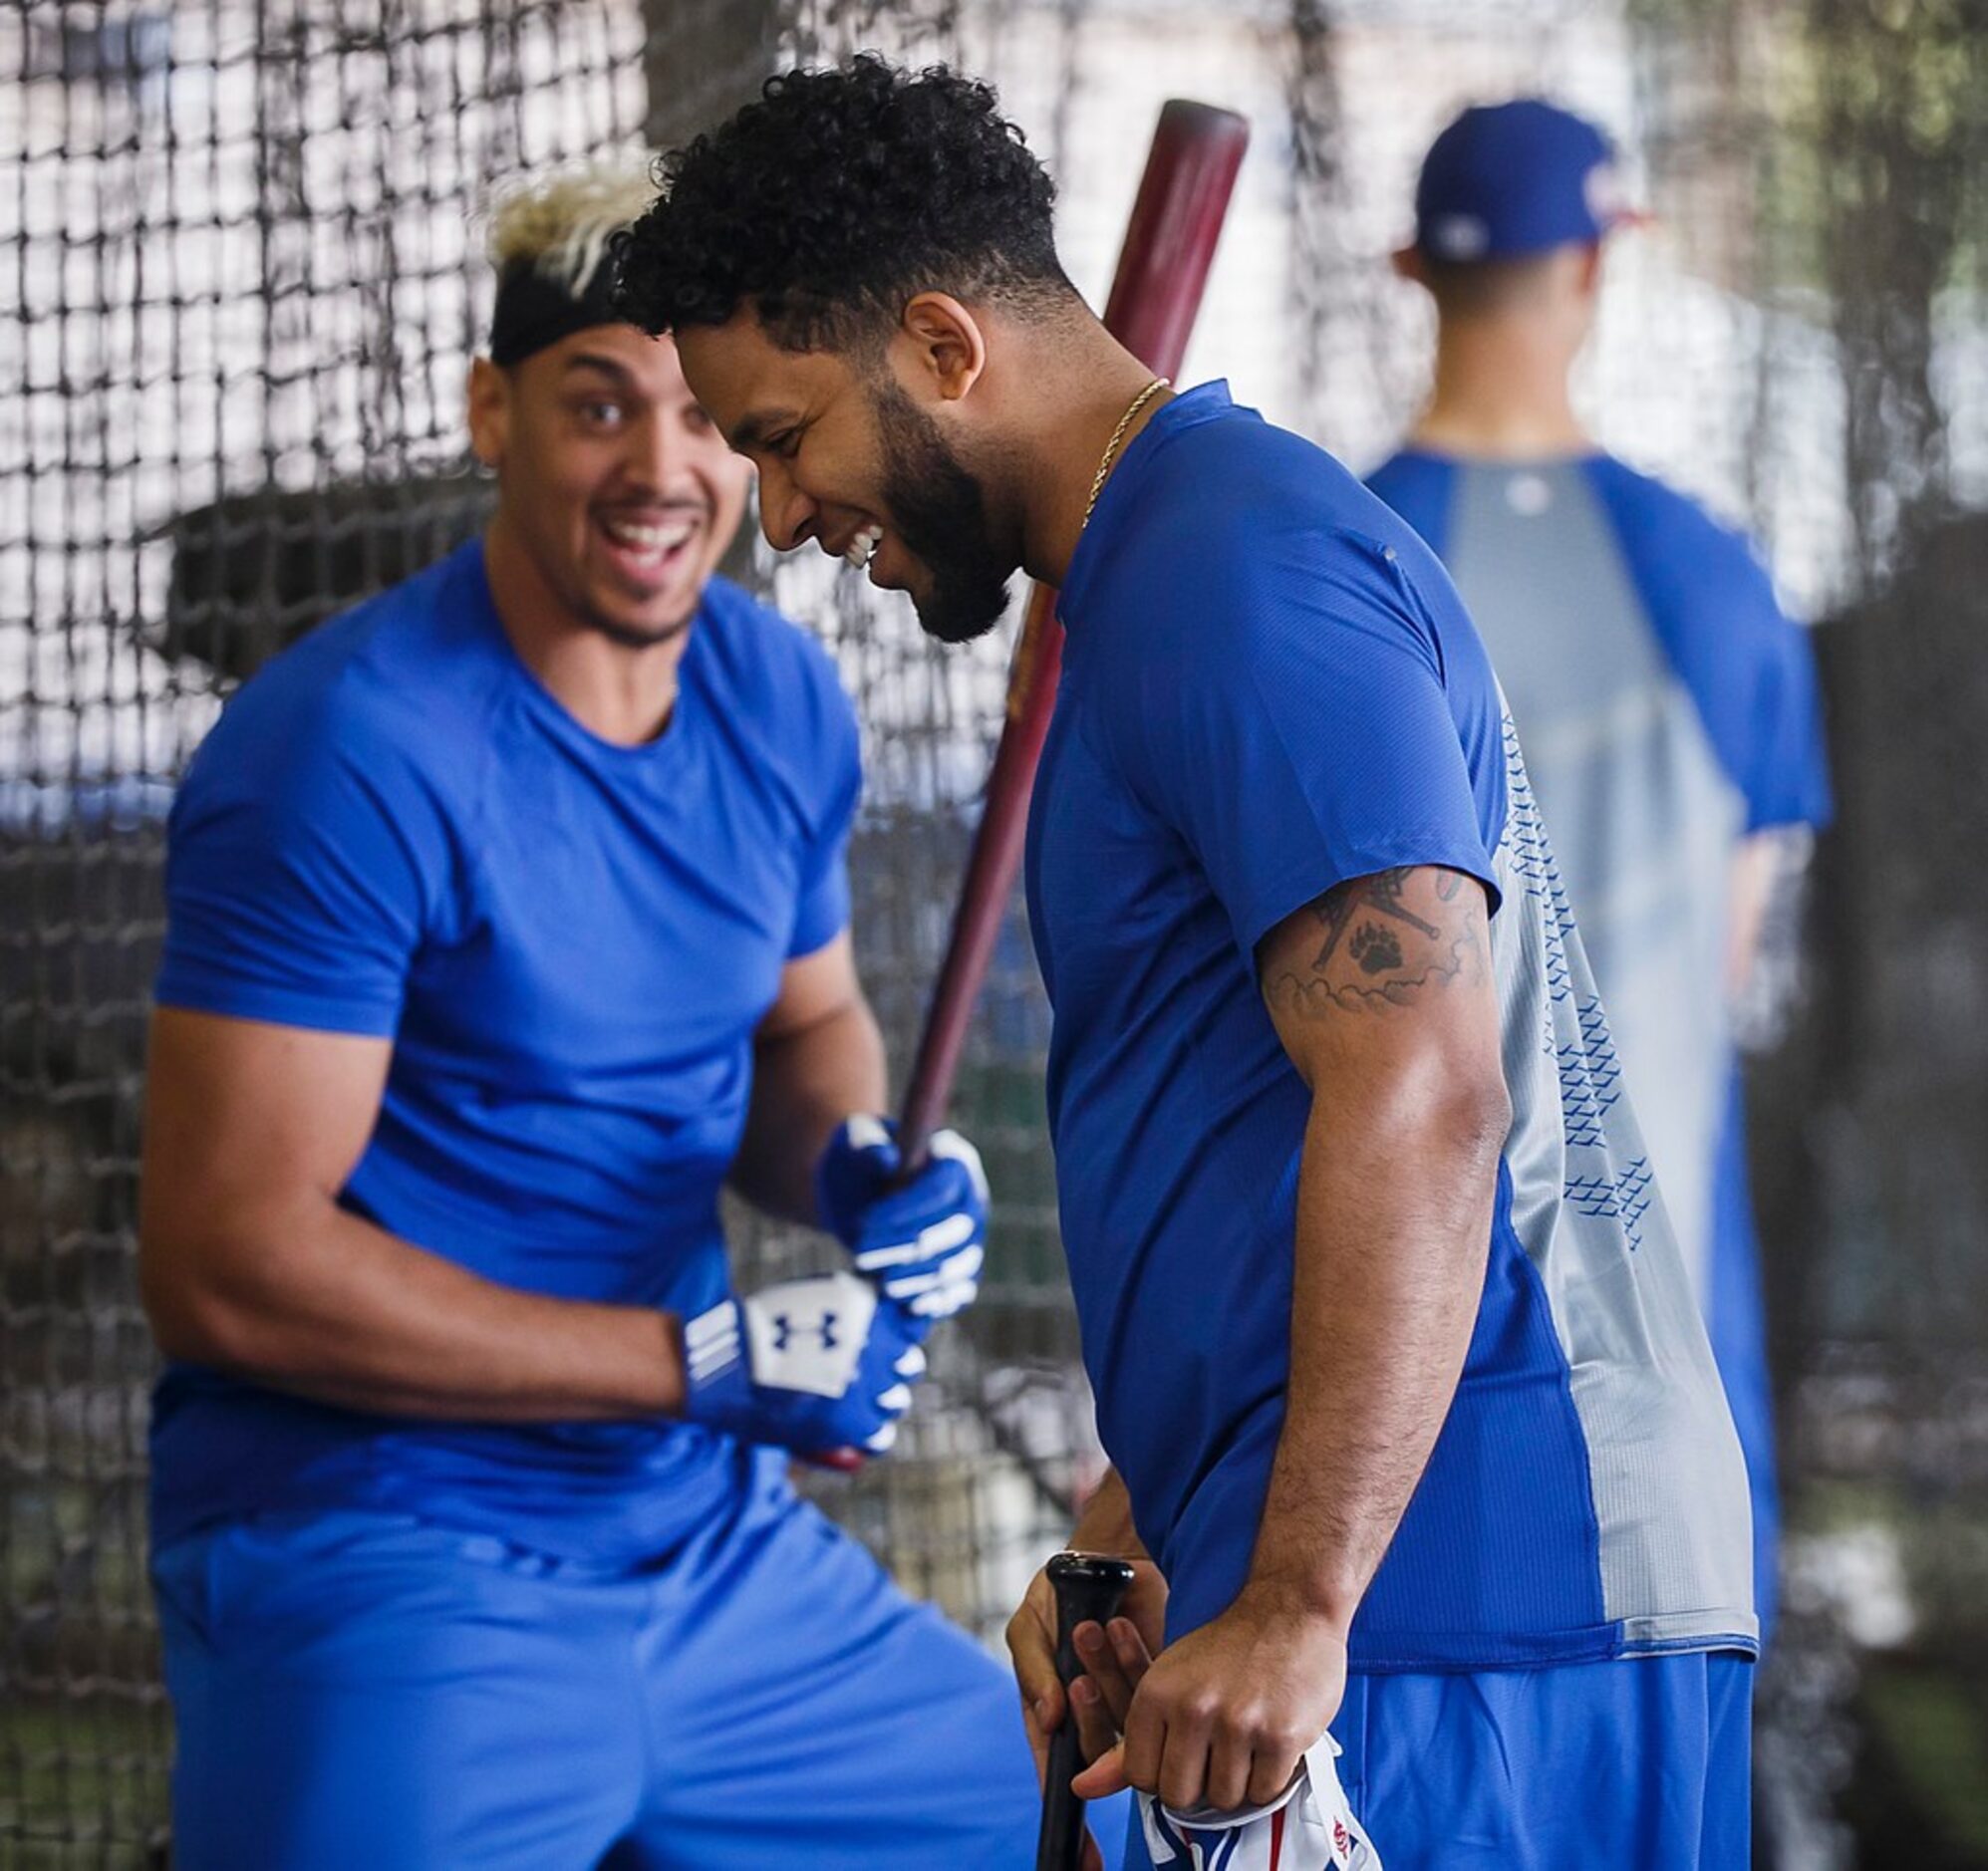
(560, 223)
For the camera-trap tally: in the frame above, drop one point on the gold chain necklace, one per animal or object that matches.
(1125, 422)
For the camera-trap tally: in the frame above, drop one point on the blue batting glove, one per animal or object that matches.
(812, 1365)
(924, 1241)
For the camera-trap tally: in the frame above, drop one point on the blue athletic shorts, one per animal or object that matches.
(1638, 1766)
(365, 1690)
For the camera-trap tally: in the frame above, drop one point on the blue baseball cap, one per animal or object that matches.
(1507, 179)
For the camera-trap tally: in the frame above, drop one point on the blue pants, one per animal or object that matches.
(366, 1689)
(1638, 1766)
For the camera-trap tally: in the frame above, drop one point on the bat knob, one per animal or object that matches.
(1090, 1588)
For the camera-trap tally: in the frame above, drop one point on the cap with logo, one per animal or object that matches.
(1508, 179)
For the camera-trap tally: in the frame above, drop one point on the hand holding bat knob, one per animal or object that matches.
(1089, 1589)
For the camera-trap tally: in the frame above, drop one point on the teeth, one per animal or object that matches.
(664, 538)
(863, 548)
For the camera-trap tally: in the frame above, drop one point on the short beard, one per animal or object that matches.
(572, 596)
(630, 638)
(941, 514)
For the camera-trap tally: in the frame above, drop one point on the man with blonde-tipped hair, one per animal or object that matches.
(508, 922)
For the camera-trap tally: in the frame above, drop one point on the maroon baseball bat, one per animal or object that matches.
(1161, 269)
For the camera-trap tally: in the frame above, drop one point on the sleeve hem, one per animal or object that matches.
(807, 943)
(279, 1006)
(1784, 815)
(1306, 882)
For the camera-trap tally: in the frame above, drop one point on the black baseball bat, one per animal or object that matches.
(1090, 1588)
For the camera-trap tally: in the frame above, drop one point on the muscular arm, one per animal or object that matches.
(249, 1264)
(1382, 994)
(818, 1058)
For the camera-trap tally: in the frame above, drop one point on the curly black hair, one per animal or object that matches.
(835, 198)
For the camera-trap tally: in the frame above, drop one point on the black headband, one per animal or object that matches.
(533, 311)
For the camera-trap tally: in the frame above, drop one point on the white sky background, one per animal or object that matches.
(135, 409)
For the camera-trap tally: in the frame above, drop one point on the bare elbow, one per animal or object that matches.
(185, 1320)
(1483, 1118)
(182, 1332)
(1465, 1127)
(1460, 1109)
(1481, 1124)
(198, 1314)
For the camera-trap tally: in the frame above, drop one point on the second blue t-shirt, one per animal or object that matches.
(396, 831)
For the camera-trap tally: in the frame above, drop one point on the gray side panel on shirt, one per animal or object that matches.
(1644, 818)
(1668, 1481)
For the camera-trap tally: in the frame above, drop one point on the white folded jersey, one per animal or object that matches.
(1310, 1828)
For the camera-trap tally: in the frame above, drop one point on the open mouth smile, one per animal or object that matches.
(648, 546)
(862, 547)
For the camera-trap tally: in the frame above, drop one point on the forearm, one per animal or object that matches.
(326, 1305)
(1393, 1224)
(1104, 1523)
(804, 1084)
(1757, 866)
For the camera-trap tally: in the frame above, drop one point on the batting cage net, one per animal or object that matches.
(241, 285)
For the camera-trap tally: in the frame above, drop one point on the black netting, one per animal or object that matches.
(239, 306)
(239, 293)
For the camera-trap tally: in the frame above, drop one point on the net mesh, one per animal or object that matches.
(239, 293)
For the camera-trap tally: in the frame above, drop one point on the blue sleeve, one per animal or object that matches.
(1790, 781)
(1419, 487)
(1750, 670)
(822, 913)
(298, 852)
(1297, 731)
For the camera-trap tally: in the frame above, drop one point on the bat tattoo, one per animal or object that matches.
(1378, 926)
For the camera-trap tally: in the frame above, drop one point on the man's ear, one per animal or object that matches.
(488, 406)
(943, 345)
(1407, 264)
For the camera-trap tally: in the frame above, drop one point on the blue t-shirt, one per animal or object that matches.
(1668, 710)
(1271, 688)
(394, 830)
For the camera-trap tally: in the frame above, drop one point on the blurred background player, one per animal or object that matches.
(508, 922)
(1411, 1416)
(1667, 709)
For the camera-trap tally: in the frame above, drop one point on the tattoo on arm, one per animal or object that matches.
(1389, 939)
(1381, 894)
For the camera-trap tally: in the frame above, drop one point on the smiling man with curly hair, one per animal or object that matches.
(929, 182)
(1415, 1431)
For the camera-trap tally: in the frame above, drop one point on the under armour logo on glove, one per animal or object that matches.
(923, 1241)
(784, 1330)
(808, 1334)
(1311, 1828)
(812, 1365)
